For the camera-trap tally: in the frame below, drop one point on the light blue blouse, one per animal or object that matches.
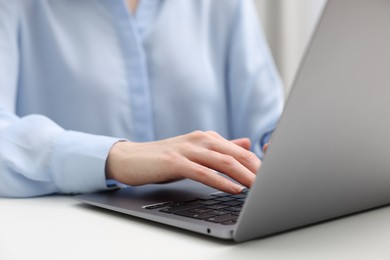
(76, 76)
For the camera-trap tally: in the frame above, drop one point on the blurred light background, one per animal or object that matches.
(288, 25)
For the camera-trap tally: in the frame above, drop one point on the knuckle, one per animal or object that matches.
(250, 157)
(198, 135)
(251, 161)
(228, 161)
(213, 133)
(201, 173)
(203, 139)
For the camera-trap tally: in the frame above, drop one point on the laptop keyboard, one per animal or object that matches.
(220, 207)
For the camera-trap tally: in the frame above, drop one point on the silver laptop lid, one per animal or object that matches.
(330, 155)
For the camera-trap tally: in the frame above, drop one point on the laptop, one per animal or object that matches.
(329, 156)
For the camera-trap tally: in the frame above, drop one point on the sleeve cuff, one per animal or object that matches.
(78, 162)
(258, 148)
(265, 139)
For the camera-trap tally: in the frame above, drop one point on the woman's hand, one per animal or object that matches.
(265, 147)
(195, 156)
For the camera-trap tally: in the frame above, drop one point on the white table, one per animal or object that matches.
(58, 227)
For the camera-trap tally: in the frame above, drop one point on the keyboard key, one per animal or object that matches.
(187, 206)
(217, 206)
(225, 199)
(221, 194)
(219, 212)
(177, 203)
(245, 191)
(154, 207)
(232, 203)
(229, 222)
(223, 218)
(207, 202)
(200, 210)
(205, 197)
(193, 215)
(235, 209)
(157, 206)
(239, 196)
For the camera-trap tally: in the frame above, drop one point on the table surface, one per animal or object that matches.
(58, 227)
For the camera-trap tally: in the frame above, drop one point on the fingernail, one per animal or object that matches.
(238, 189)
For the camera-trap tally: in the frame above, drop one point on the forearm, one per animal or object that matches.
(37, 157)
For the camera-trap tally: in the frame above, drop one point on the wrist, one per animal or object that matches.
(112, 154)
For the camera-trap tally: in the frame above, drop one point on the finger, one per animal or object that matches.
(223, 146)
(243, 142)
(225, 164)
(210, 178)
(265, 147)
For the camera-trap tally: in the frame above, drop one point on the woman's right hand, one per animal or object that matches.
(196, 156)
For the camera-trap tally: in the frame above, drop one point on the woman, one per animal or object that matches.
(77, 78)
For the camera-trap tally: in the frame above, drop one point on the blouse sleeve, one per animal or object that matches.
(37, 156)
